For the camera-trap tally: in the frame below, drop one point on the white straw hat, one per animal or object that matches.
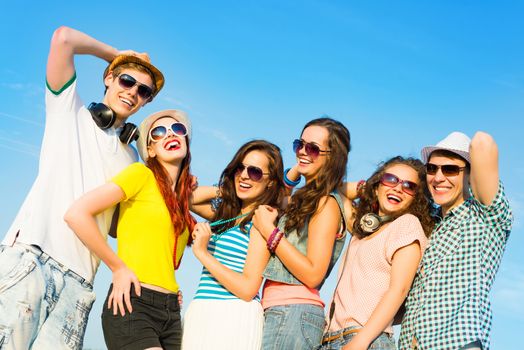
(456, 142)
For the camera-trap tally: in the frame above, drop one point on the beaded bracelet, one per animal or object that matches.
(289, 183)
(276, 241)
(271, 238)
(360, 187)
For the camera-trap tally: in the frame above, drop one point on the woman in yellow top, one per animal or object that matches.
(153, 230)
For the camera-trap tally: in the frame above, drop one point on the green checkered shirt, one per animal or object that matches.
(448, 306)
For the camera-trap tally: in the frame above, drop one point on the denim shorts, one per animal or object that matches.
(154, 322)
(295, 326)
(43, 304)
(384, 341)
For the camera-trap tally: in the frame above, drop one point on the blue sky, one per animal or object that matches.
(401, 75)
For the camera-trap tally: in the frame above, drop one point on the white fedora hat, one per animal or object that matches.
(456, 142)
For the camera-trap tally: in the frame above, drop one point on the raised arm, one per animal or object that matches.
(65, 44)
(484, 177)
(81, 219)
(244, 285)
(323, 227)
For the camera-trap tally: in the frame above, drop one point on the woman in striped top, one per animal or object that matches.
(226, 312)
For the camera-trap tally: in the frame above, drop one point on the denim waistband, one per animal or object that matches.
(43, 258)
(156, 298)
(341, 333)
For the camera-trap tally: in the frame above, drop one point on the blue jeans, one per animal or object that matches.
(383, 342)
(43, 305)
(293, 327)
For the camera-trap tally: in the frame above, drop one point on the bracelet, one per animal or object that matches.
(276, 241)
(360, 187)
(271, 238)
(215, 202)
(288, 182)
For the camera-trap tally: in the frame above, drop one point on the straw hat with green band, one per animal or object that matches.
(158, 77)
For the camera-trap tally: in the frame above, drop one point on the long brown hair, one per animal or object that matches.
(177, 201)
(421, 207)
(231, 205)
(305, 200)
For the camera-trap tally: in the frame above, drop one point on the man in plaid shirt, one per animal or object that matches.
(448, 306)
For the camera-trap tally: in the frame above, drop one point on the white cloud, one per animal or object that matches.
(29, 88)
(219, 135)
(21, 119)
(177, 103)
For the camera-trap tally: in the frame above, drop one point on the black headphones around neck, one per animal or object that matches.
(371, 222)
(104, 117)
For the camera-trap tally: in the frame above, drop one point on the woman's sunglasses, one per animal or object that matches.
(158, 133)
(127, 82)
(311, 148)
(390, 180)
(253, 172)
(447, 169)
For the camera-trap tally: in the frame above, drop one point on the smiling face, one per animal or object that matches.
(125, 102)
(394, 199)
(171, 149)
(447, 191)
(309, 166)
(249, 190)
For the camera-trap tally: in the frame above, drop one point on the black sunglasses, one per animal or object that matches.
(128, 82)
(253, 172)
(447, 169)
(391, 180)
(311, 148)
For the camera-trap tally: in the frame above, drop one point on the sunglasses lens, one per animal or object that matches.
(144, 91)
(389, 180)
(409, 187)
(450, 170)
(126, 81)
(158, 133)
(312, 150)
(431, 169)
(179, 129)
(240, 169)
(297, 145)
(254, 173)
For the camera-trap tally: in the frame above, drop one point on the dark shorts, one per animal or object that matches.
(154, 322)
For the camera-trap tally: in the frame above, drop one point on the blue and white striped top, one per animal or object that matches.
(230, 249)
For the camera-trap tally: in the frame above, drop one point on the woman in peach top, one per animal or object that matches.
(391, 222)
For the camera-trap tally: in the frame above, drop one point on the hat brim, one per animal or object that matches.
(123, 59)
(426, 153)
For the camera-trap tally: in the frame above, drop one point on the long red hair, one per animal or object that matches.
(177, 201)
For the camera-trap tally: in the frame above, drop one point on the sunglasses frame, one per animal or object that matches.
(443, 167)
(312, 149)
(142, 88)
(250, 168)
(405, 184)
(152, 139)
